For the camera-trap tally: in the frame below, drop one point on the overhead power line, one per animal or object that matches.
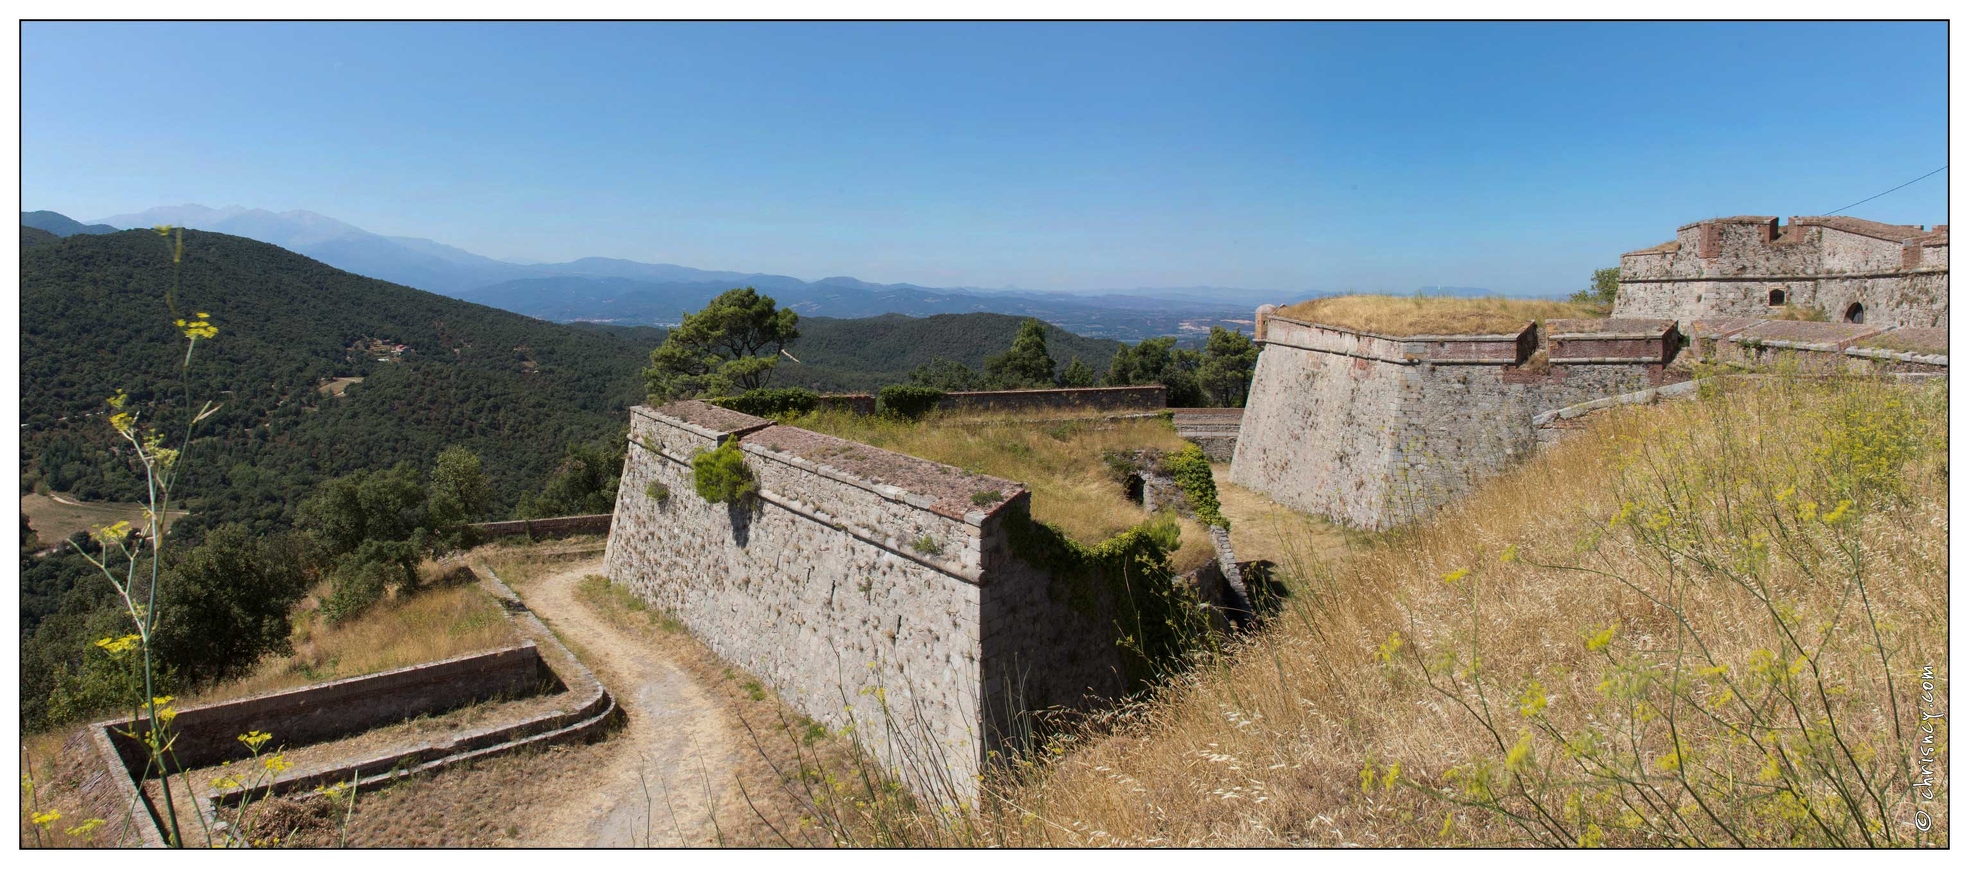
(1882, 193)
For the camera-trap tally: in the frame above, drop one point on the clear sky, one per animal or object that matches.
(1298, 157)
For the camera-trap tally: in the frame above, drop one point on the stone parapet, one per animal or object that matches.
(1493, 349)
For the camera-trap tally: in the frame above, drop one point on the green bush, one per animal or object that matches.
(791, 401)
(721, 476)
(1192, 472)
(907, 402)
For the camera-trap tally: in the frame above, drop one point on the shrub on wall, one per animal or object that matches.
(721, 476)
(1192, 472)
(790, 401)
(908, 402)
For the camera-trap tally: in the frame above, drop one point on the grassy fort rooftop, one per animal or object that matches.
(1062, 460)
(1404, 316)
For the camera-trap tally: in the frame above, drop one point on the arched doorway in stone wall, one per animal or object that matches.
(1855, 313)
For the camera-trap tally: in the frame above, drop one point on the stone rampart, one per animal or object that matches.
(1374, 430)
(1027, 400)
(864, 586)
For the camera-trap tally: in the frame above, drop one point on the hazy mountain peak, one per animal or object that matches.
(61, 224)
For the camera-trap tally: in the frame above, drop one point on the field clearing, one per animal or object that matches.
(57, 517)
(338, 385)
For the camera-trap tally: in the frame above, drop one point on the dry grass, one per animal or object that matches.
(1263, 529)
(432, 625)
(1059, 459)
(1308, 736)
(1402, 316)
(1798, 312)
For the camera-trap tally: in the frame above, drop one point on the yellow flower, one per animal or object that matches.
(1838, 513)
(42, 819)
(1592, 837)
(116, 401)
(1510, 554)
(1600, 640)
(1772, 771)
(1454, 575)
(122, 421)
(276, 763)
(1386, 654)
(116, 646)
(198, 327)
(1520, 757)
(255, 739)
(85, 828)
(1533, 701)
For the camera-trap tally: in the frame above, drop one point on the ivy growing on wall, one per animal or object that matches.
(1192, 472)
(1159, 622)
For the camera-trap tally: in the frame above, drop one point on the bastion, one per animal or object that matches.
(867, 588)
(1373, 429)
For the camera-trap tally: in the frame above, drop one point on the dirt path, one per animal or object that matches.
(674, 760)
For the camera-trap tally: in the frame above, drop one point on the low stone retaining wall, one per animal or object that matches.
(319, 713)
(1097, 398)
(1122, 398)
(558, 526)
(207, 735)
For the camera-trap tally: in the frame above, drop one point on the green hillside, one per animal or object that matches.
(435, 371)
(31, 237)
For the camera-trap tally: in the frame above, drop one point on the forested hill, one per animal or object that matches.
(94, 319)
(865, 354)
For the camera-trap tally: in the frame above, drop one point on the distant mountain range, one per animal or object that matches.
(600, 289)
(60, 224)
(624, 292)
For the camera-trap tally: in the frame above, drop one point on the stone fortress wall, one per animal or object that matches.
(1853, 270)
(865, 587)
(1372, 430)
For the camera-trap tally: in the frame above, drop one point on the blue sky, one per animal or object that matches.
(1295, 157)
